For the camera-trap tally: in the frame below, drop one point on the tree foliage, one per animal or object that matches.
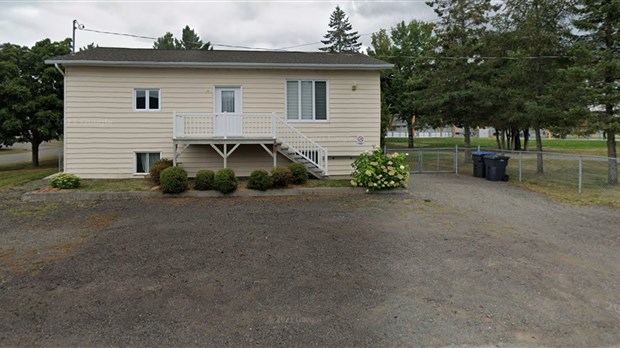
(598, 22)
(31, 93)
(456, 76)
(403, 87)
(340, 37)
(189, 41)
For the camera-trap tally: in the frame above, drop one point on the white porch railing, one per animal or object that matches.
(206, 126)
(225, 125)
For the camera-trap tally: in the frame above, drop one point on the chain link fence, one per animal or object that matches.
(565, 171)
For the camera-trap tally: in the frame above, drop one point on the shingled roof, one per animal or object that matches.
(106, 56)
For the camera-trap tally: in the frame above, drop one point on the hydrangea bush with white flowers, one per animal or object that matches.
(378, 171)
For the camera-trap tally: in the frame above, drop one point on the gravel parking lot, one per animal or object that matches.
(459, 261)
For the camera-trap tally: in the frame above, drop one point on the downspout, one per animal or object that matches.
(59, 69)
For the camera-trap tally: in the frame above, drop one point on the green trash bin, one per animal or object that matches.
(495, 167)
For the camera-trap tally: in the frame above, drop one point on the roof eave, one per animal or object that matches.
(221, 65)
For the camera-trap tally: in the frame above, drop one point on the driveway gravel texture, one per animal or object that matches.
(458, 261)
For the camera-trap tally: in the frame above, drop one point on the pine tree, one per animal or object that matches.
(599, 25)
(340, 37)
(189, 41)
(456, 78)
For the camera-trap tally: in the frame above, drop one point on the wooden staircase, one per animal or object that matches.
(292, 155)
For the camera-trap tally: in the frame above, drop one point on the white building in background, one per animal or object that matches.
(398, 129)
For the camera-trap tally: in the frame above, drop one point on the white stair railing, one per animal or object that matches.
(300, 145)
(188, 125)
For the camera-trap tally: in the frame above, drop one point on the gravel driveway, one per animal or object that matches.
(460, 261)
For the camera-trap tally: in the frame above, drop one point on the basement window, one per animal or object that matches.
(145, 160)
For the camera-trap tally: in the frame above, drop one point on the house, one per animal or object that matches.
(126, 108)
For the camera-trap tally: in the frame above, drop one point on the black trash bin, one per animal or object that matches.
(478, 159)
(495, 167)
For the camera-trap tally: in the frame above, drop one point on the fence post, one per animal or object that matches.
(520, 165)
(420, 159)
(580, 173)
(456, 159)
(478, 148)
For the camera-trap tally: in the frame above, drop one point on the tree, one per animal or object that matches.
(340, 37)
(456, 73)
(90, 46)
(407, 47)
(599, 28)
(189, 41)
(32, 93)
(540, 38)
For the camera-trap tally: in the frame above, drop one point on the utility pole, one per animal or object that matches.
(76, 25)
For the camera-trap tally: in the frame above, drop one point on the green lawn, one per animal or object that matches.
(21, 173)
(585, 147)
(5, 151)
(328, 183)
(114, 185)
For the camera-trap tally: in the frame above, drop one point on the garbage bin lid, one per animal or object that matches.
(483, 153)
(496, 157)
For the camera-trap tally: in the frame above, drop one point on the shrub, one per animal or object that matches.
(300, 173)
(205, 180)
(65, 181)
(225, 180)
(282, 177)
(173, 180)
(378, 171)
(260, 180)
(158, 167)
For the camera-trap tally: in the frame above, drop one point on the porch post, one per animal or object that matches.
(275, 155)
(174, 154)
(225, 155)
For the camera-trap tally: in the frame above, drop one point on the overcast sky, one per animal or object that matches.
(267, 24)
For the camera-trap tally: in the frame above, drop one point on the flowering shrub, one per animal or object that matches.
(378, 171)
(65, 181)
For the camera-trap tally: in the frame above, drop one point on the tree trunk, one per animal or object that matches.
(612, 162)
(35, 152)
(467, 143)
(410, 133)
(499, 144)
(503, 139)
(517, 140)
(526, 138)
(539, 149)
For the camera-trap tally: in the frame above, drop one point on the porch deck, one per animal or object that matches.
(225, 132)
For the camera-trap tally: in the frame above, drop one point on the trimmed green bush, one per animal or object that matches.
(282, 177)
(259, 180)
(205, 180)
(173, 180)
(226, 181)
(300, 173)
(65, 181)
(158, 167)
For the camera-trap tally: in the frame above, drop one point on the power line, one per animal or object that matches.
(474, 58)
(82, 27)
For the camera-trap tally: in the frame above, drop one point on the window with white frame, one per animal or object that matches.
(145, 160)
(306, 100)
(146, 99)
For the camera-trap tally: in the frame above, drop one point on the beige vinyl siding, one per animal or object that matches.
(103, 132)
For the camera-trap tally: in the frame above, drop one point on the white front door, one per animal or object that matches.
(228, 113)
